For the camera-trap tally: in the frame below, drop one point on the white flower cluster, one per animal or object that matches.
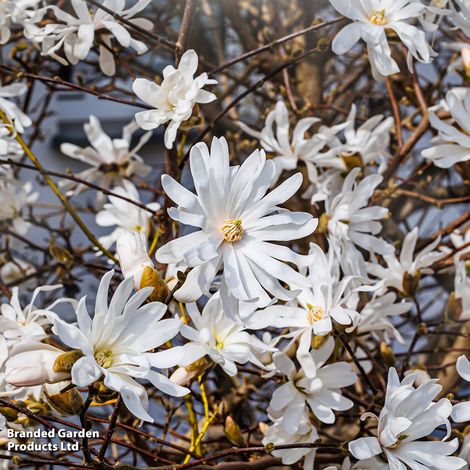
(242, 278)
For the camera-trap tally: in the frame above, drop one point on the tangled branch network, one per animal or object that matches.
(235, 234)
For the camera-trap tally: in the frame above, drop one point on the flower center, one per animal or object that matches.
(400, 439)
(104, 358)
(378, 17)
(218, 344)
(232, 230)
(315, 313)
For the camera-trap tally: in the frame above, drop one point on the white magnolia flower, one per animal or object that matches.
(316, 308)
(461, 411)
(462, 288)
(9, 146)
(124, 215)
(371, 21)
(351, 221)
(237, 222)
(20, 324)
(76, 34)
(452, 142)
(401, 272)
(12, 111)
(14, 12)
(111, 160)
(410, 414)
(320, 390)
(175, 98)
(16, 272)
(32, 363)
(461, 15)
(306, 434)
(360, 147)
(214, 334)
(131, 248)
(15, 197)
(288, 151)
(376, 315)
(115, 344)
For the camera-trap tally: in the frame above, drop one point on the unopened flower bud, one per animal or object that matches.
(135, 261)
(66, 403)
(184, 375)
(232, 432)
(32, 364)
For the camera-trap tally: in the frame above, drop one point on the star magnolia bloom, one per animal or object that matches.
(32, 363)
(18, 324)
(453, 140)
(315, 309)
(115, 344)
(9, 146)
(404, 271)
(76, 34)
(375, 317)
(123, 215)
(461, 411)
(220, 338)
(12, 111)
(462, 288)
(15, 197)
(16, 11)
(306, 434)
(237, 222)
(461, 15)
(112, 160)
(352, 222)
(410, 414)
(175, 98)
(287, 152)
(371, 21)
(367, 144)
(320, 391)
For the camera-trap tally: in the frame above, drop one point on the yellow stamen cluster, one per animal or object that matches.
(378, 17)
(104, 358)
(232, 230)
(315, 313)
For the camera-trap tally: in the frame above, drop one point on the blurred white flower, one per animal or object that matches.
(15, 196)
(15, 12)
(320, 390)
(18, 118)
(124, 215)
(461, 411)
(237, 222)
(217, 336)
(351, 221)
(402, 273)
(115, 344)
(19, 324)
(15, 272)
(461, 15)
(462, 288)
(408, 415)
(76, 34)
(306, 434)
(175, 98)
(452, 144)
(111, 160)
(371, 21)
(32, 363)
